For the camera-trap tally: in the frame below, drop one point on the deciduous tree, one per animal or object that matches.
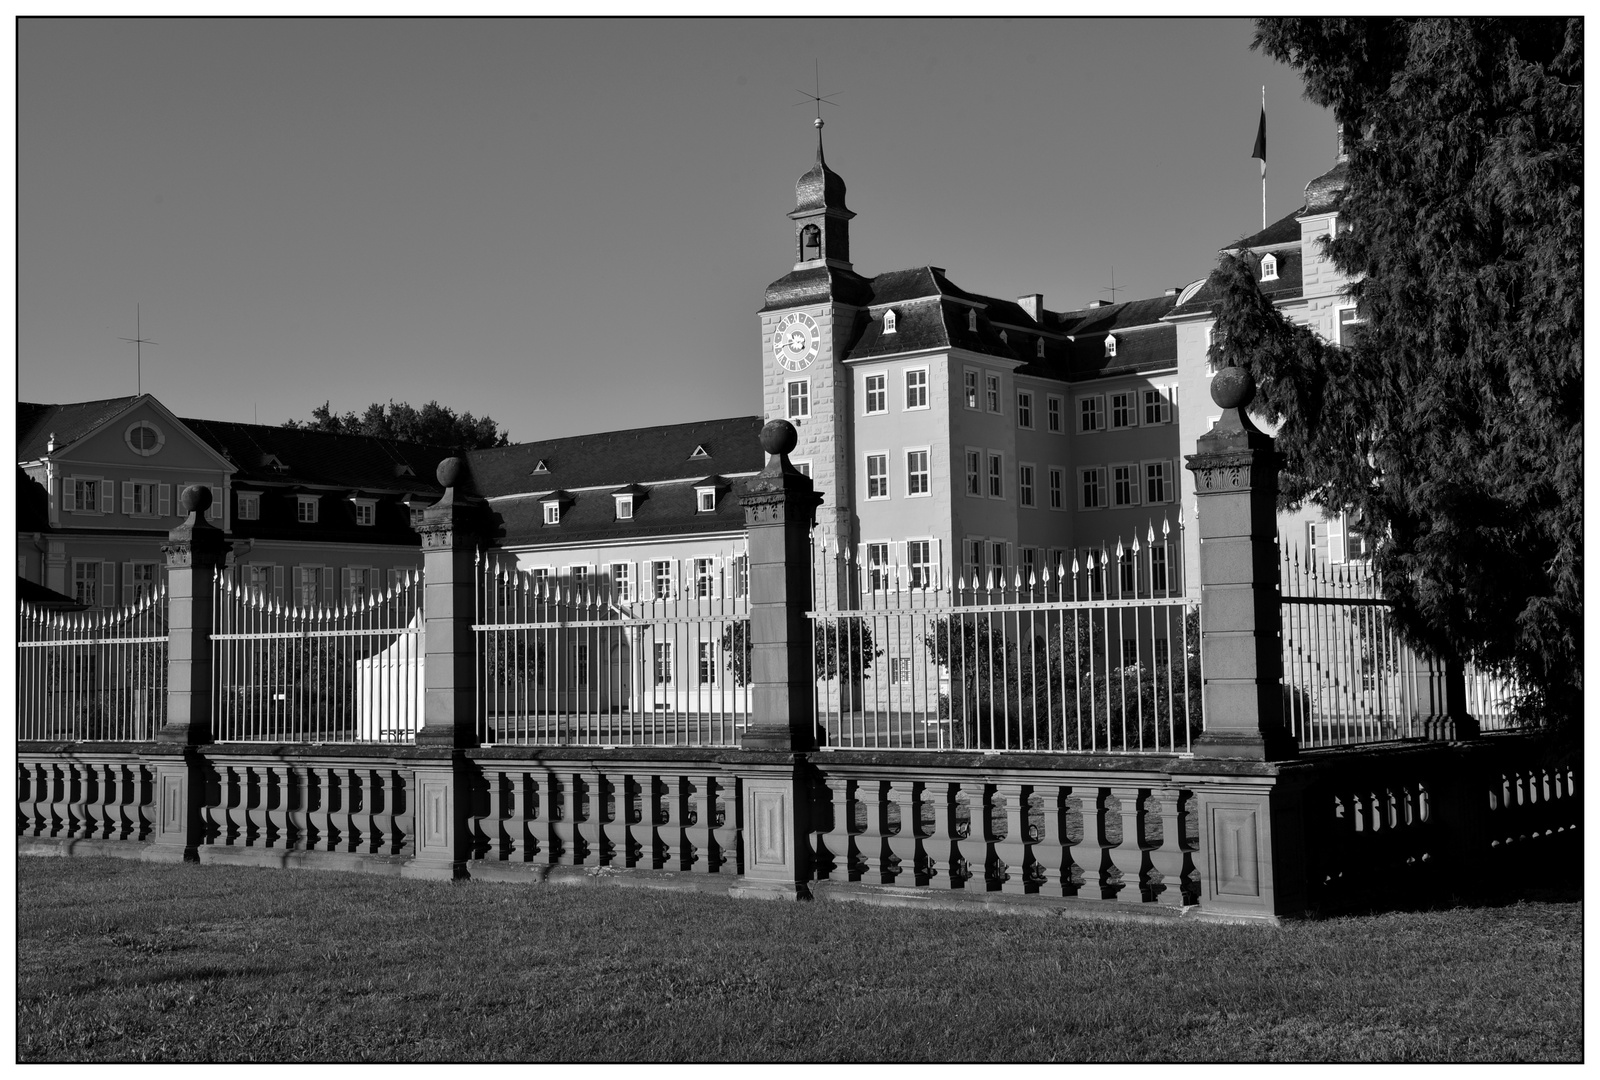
(431, 425)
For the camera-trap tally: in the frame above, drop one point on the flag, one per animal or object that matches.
(1260, 150)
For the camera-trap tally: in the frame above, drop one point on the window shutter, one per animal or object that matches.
(108, 584)
(69, 494)
(686, 584)
(127, 584)
(327, 586)
(277, 583)
(107, 497)
(127, 497)
(718, 569)
(164, 506)
(348, 583)
(214, 512)
(394, 575)
(1336, 539)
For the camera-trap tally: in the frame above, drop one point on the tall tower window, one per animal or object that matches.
(800, 399)
(810, 243)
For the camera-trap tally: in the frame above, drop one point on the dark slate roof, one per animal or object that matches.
(611, 459)
(1289, 285)
(68, 423)
(817, 284)
(819, 187)
(1114, 317)
(321, 459)
(665, 510)
(38, 595)
(1286, 230)
(1325, 191)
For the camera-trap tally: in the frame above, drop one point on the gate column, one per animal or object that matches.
(441, 790)
(780, 507)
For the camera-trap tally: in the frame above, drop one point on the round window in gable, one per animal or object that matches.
(144, 438)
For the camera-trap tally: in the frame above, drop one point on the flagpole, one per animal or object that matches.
(1263, 163)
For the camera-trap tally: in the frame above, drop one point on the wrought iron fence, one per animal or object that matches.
(1349, 677)
(1099, 653)
(93, 675)
(351, 672)
(647, 654)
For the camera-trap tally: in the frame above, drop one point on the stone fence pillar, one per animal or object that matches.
(195, 552)
(450, 531)
(780, 508)
(1236, 492)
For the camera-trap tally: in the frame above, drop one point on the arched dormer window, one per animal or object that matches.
(888, 322)
(972, 322)
(810, 243)
(1111, 344)
(1269, 268)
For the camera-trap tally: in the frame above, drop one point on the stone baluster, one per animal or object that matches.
(569, 812)
(1120, 835)
(835, 848)
(1011, 850)
(1051, 852)
(698, 833)
(591, 825)
(972, 846)
(871, 840)
(675, 804)
(1165, 836)
(905, 846)
(941, 843)
(492, 840)
(725, 835)
(1083, 870)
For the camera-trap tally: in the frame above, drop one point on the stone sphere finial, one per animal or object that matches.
(448, 472)
(196, 498)
(779, 437)
(1233, 387)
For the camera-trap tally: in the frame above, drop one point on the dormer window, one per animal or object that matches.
(1038, 348)
(1269, 268)
(1004, 339)
(624, 507)
(705, 500)
(541, 467)
(1111, 344)
(366, 511)
(888, 322)
(306, 509)
(972, 322)
(810, 243)
(552, 512)
(700, 452)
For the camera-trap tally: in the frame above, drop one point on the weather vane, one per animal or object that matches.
(818, 96)
(139, 341)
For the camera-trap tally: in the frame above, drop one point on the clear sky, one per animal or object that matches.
(568, 225)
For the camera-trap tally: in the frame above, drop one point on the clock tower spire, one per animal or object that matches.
(821, 219)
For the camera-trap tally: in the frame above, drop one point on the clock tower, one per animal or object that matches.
(810, 317)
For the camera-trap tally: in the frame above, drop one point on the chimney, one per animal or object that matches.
(50, 447)
(1033, 304)
(1099, 303)
(1172, 292)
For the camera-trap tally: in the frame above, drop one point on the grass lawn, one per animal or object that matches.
(120, 960)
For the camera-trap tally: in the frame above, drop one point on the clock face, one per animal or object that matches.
(795, 341)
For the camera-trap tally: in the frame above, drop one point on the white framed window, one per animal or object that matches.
(705, 499)
(1028, 564)
(249, 506)
(877, 476)
(1025, 484)
(1092, 412)
(1127, 582)
(1157, 406)
(741, 575)
(1350, 323)
(86, 574)
(261, 577)
(969, 382)
(1111, 344)
(139, 580)
(799, 399)
(1158, 572)
(1125, 485)
(359, 583)
(1052, 414)
(552, 513)
(706, 663)
(144, 438)
(622, 582)
(661, 579)
(581, 575)
(1269, 268)
(974, 472)
(705, 578)
(1124, 413)
(888, 321)
(877, 561)
(1038, 348)
(306, 509)
(307, 585)
(916, 388)
(140, 498)
(624, 507)
(1213, 363)
(991, 392)
(85, 495)
(900, 669)
(1056, 562)
(877, 394)
(917, 472)
(1058, 483)
(366, 511)
(801, 466)
(998, 561)
(1024, 409)
(663, 663)
(1157, 481)
(1092, 488)
(919, 561)
(997, 475)
(972, 560)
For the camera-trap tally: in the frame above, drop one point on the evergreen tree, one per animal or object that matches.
(1452, 425)
(431, 425)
